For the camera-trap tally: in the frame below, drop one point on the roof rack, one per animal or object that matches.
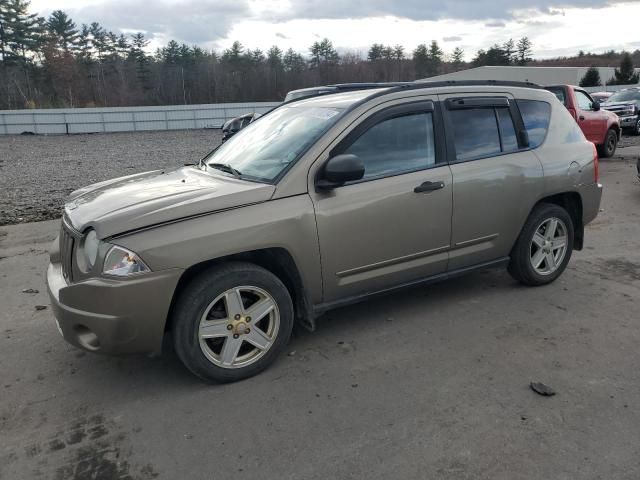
(417, 84)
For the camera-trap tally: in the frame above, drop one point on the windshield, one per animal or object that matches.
(625, 96)
(265, 148)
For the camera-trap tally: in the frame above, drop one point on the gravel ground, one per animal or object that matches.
(38, 172)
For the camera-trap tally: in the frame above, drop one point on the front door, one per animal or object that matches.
(592, 123)
(393, 226)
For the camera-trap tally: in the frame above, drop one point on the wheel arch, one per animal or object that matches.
(276, 260)
(572, 203)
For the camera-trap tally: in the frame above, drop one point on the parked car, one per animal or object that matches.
(324, 202)
(598, 125)
(233, 126)
(626, 104)
(601, 97)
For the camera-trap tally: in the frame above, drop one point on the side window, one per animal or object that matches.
(475, 133)
(399, 144)
(584, 101)
(536, 116)
(507, 130)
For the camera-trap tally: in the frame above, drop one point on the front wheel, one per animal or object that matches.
(232, 321)
(544, 246)
(636, 129)
(608, 148)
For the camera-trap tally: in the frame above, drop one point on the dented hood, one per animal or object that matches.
(137, 201)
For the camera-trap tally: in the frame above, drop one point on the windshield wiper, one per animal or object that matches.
(225, 168)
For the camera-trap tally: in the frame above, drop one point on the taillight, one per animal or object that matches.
(596, 164)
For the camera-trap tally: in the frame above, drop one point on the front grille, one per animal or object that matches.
(618, 109)
(67, 241)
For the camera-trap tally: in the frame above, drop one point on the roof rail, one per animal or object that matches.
(468, 83)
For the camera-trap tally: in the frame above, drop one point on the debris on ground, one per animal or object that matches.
(291, 353)
(41, 307)
(30, 290)
(542, 389)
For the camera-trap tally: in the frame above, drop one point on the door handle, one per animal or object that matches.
(428, 187)
(581, 117)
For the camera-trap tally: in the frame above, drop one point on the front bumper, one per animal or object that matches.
(111, 315)
(628, 121)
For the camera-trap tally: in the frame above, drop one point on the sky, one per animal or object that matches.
(556, 27)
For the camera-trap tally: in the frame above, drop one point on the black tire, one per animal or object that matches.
(636, 129)
(197, 295)
(520, 266)
(608, 148)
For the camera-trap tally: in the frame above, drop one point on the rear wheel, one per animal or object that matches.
(544, 247)
(231, 322)
(608, 148)
(636, 129)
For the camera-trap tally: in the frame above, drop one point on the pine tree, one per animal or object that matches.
(524, 50)
(435, 58)
(457, 58)
(293, 61)
(98, 39)
(625, 75)
(274, 58)
(421, 60)
(63, 30)
(5, 31)
(591, 78)
(375, 52)
(510, 52)
(85, 53)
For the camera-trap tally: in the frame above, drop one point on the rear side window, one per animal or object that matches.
(483, 132)
(475, 133)
(396, 145)
(536, 116)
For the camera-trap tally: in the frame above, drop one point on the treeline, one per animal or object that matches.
(52, 62)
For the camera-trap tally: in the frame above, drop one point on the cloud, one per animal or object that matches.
(191, 21)
(495, 24)
(454, 38)
(282, 35)
(425, 9)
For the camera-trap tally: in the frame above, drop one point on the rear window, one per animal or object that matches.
(536, 116)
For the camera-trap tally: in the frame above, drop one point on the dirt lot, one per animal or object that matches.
(38, 172)
(429, 383)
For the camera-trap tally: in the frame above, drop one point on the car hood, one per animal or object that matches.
(617, 104)
(137, 201)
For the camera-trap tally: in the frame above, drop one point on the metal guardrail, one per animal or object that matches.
(124, 119)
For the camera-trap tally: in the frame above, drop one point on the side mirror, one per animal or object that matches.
(595, 105)
(340, 170)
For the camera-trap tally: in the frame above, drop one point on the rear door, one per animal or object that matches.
(392, 227)
(593, 123)
(496, 178)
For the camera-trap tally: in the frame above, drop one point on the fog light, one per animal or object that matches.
(87, 338)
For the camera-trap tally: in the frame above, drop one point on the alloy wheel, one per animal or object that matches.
(548, 246)
(239, 327)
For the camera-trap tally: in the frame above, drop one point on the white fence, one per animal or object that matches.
(124, 119)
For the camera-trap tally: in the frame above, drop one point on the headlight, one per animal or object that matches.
(122, 262)
(87, 251)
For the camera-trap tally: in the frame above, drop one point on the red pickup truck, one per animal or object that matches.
(599, 126)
